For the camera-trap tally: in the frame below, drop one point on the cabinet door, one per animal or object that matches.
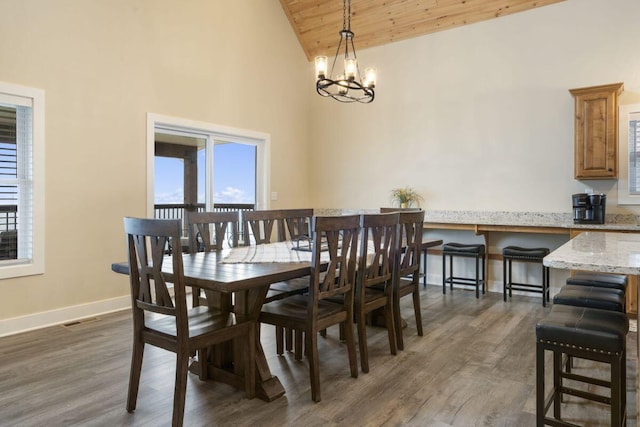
(596, 139)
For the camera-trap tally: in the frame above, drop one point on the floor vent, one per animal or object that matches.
(79, 322)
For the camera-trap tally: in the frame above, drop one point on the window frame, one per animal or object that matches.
(625, 197)
(36, 97)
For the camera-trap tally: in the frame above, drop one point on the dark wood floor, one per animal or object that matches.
(475, 366)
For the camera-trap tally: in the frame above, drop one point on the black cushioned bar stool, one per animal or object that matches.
(602, 280)
(535, 255)
(587, 333)
(591, 297)
(476, 251)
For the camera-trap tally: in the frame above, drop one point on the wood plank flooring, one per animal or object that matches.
(475, 366)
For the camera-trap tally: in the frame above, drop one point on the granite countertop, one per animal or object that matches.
(600, 252)
(613, 222)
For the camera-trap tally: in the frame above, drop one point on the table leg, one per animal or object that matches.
(268, 387)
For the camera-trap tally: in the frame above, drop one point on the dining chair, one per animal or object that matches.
(376, 270)
(338, 238)
(297, 222)
(208, 231)
(260, 225)
(163, 323)
(407, 280)
(296, 225)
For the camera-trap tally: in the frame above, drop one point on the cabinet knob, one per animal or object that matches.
(610, 170)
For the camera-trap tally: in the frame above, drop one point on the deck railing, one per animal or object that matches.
(8, 217)
(176, 211)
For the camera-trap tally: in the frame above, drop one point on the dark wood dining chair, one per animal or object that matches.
(163, 323)
(407, 281)
(209, 231)
(338, 237)
(260, 225)
(296, 225)
(381, 232)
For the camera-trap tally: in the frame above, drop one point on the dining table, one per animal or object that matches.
(238, 280)
(603, 252)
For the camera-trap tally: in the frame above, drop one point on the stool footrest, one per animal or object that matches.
(526, 287)
(462, 281)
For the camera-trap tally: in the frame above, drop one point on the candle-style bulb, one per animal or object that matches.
(321, 67)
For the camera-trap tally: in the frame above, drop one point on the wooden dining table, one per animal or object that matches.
(241, 288)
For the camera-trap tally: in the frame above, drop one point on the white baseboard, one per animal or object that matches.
(43, 319)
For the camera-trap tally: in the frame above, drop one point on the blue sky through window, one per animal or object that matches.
(234, 176)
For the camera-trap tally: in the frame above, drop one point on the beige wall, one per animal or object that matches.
(479, 117)
(103, 65)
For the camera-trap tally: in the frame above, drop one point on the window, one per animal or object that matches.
(629, 155)
(21, 181)
(232, 166)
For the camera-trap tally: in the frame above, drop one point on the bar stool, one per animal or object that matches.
(591, 297)
(476, 251)
(602, 280)
(586, 333)
(535, 255)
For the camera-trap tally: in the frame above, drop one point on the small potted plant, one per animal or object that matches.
(405, 196)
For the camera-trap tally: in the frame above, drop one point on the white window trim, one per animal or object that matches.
(624, 197)
(37, 262)
(261, 140)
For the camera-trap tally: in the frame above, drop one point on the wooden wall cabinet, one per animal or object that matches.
(596, 131)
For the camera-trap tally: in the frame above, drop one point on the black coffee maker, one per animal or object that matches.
(589, 208)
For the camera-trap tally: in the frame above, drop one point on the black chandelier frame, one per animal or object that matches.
(347, 89)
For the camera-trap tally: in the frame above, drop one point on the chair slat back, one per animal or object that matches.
(147, 240)
(298, 223)
(381, 232)
(208, 231)
(261, 223)
(339, 237)
(411, 225)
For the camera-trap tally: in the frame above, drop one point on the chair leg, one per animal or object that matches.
(362, 339)
(478, 278)
(134, 375)
(203, 358)
(288, 338)
(424, 268)
(504, 280)
(451, 271)
(557, 384)
(351, 345)
(397, 320)
(540, 385)
(279, 340)
(444, 274)
(180, 390)
(297, 341)
(545, 284)
(314, 374)
(391, 327)
(416, 309)
(484, 279)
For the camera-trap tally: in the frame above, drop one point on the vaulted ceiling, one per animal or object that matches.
(378, 22)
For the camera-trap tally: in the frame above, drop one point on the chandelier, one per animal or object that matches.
(348, 86)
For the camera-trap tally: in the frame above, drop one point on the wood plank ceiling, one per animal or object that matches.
(377, 22)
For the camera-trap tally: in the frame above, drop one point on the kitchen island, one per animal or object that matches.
(602, 252)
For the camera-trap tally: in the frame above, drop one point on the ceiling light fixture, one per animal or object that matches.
(348, 86)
